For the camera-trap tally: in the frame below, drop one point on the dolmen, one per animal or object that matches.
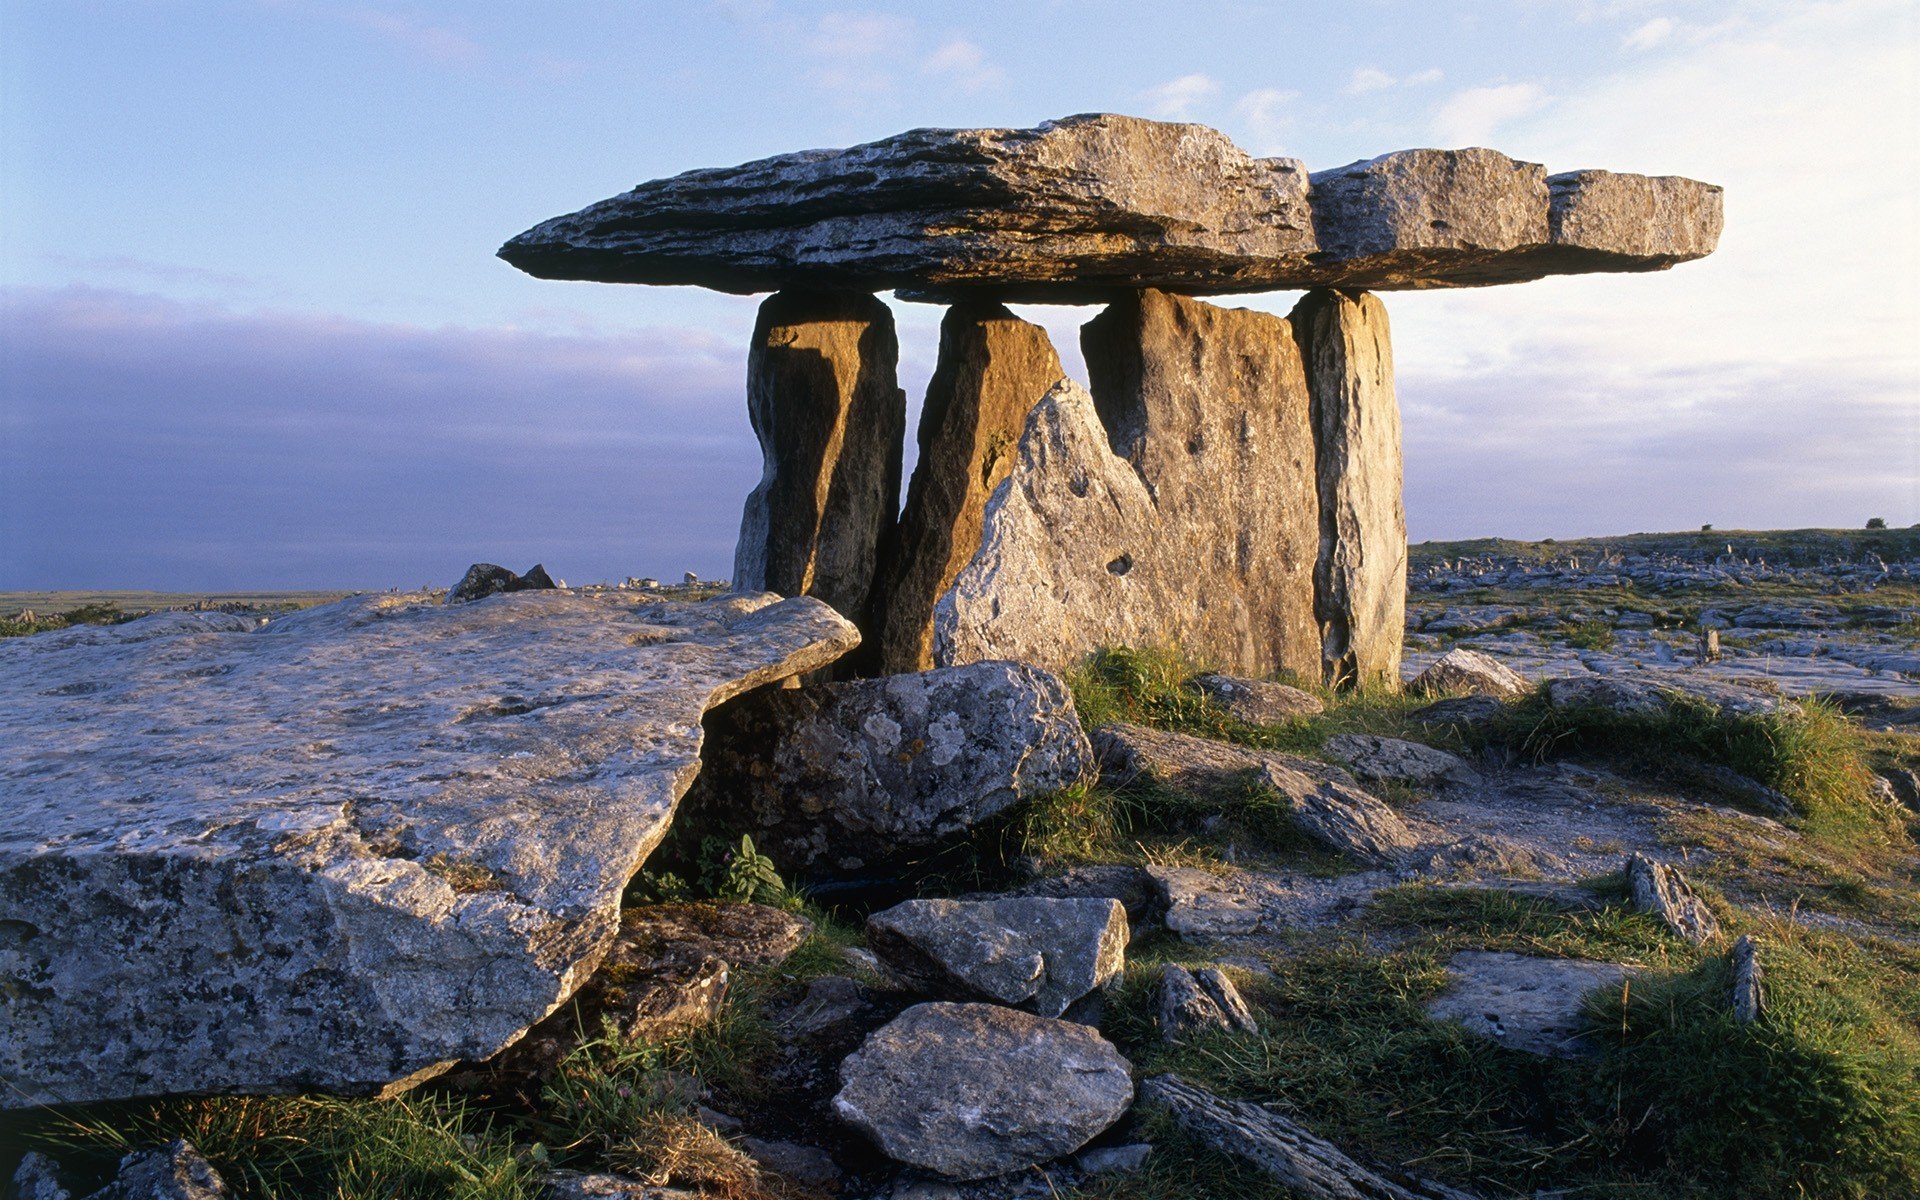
(1228, 480)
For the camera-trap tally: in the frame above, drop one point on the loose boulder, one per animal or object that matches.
(1199, 1002)
(969, 1091)
(1029, 951)
(1461, 671)
(485, 579)
(1257, 701)
(1652, 693)
(837, 777)
(1393, 760)
(351, 846)
(1662, 890)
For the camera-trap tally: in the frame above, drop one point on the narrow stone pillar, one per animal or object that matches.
(1360, 583)
(993, 369)
(831, 420)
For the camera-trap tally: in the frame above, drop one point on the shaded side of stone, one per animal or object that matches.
(993, 368)
(831, 419)
(1360, 579)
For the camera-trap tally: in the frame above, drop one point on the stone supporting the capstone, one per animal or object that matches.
(1176, 505)
(1360, 582)
(831, 421)
(993, 368)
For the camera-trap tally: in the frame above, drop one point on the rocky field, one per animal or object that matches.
(1620, 898)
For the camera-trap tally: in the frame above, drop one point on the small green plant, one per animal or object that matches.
(1593, 634)
(741, 874)
(662, 887)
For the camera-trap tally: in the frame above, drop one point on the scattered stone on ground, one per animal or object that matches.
(485, 579)
(993, 368)
(1339, 815)
(1521, 1002)
(1114, 1160)
(1257, 701)
(667, 970)
(830, 1002)
(974, 1090)
(1662, 890)
(1904, 784)
(795, 1160)
(1085, 207)
(830, 417)
(1464, 712)
(391, 834)
(1128, 884)
(38, 1178)
(590, 1185)
(1026, 950)
(1748, 791)
(833, 778)
(1200, 1001)
(1749, 999)
(1392, 760)
(1652, 693)
(175, 1171)
(1310, 1166)
(1461, 671)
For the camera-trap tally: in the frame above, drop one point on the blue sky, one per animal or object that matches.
(254, 334)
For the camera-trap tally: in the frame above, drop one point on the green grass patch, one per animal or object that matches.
(1594, 634)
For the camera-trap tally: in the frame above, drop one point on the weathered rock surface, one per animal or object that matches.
(1325, 803)
(1308, 1166)
(1749, 998)
(668, 970)
(993, 368)
(1662, 890)
(1200, 1001)
(588, 1185)
(1523, 1003)
(350, 846)
(1022, 950)
(1466, 712)
(1257, 701)
(836, 777)
(1650, 693)
(1394, 760)
(831, 420)
(1088, 206)
(973, 1090)
(1176, 503)
(1461, 671)
(485, 579)
(175, 1171)
(1130, 885)
(1360, 578)
(1205, 906)
(38, 1178)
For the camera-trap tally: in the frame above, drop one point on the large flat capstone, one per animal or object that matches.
(1080, 208)
(346, 848)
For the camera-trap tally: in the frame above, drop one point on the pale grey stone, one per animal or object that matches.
(1114, 1160)
(1461, 671)
(1662, 890)
(1393, 760)
(969, 1091)
(1176, 503)
(1307, 1165)
(348, 847)
(1749, 997)
(1199, 1002)
(795, 1160)
(1088, 206)
(1257, 701)
(1651, 693)
(1360, 576)
(822, 397)
(837, 777)
(175, 1171)
(1524, 1003)
(1022, 950)
(590, 1185)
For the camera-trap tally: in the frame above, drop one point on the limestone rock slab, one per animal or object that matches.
(839, 777)
(1464, 672)
(1091, 206)
(1020, 950)
(347, 847)
(1257, 701)
(822, 396)
(993, 368)
(1395, 760)
(1176, 503)
(1522, 1002)
(969, 1091)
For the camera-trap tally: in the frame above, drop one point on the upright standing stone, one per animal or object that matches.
(831, 420)
(1360, 584)
(993, 369)
(1177, 504)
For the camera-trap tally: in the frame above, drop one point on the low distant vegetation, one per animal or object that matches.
(27, 622)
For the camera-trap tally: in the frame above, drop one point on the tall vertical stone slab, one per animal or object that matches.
(1176, 504)
(831, 420)
(1360, 583)
(993, 369)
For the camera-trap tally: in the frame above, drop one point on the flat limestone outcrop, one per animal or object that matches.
(1018, 950)
(350, 846)
(1085, 207)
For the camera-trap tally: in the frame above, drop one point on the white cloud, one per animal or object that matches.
(964, 64)
(1470, 117)
(1369, 79)
(1424, 78)
(1649, 35)
(1266, 114)
(1178, 97)
(853, 53)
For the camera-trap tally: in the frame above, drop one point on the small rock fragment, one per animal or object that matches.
(1130, 885)
(38, 1178)
(485, 579)
(1257, 701)
(1663, 891)
(973, 1090)
(1198, 1002)
(1032, 951)
(798, 1162)
(584, 1185)
(1467, 712)
(1222, 991)
(1461, 671)
(175, 1171)
(1391, 760)
(1114, 1160)
(1340, 816)
(1749, 984)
